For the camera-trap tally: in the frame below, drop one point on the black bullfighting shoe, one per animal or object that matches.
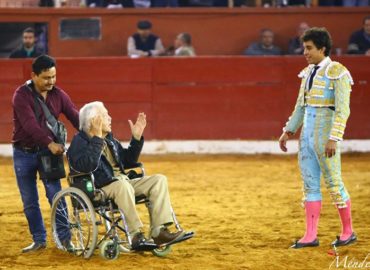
(297, 245)
(350, 240)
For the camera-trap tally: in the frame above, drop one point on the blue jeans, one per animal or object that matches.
(25, 167)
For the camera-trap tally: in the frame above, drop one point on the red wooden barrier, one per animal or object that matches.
(198, 98)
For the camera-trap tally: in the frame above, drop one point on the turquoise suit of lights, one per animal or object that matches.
(322, 112)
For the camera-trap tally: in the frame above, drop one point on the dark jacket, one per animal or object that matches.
(147, 45)
(85, 156)
(22, 53)
(358, 43)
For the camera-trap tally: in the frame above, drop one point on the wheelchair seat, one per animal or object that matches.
(86, 183)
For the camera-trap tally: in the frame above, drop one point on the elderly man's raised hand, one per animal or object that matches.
(137, 129)
(96, 128)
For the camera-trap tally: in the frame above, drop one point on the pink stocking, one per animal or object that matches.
(312, 221)
(346, 219)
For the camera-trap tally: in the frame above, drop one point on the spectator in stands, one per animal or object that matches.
(144, 43)
(359, 42)
(114, 4)
(142, 3)
(28, 48)
(327, 3)
(300, 3)
(46, 3)
(164, 3)
(183, 45)
(111, 3)
(295, 44)
(196, 3)
(94, 3)
(265, 46)
(356, 3)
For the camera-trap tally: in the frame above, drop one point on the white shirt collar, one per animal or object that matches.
(324, 62)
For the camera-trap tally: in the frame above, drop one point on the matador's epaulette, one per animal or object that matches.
(304, 72)
(336, 70)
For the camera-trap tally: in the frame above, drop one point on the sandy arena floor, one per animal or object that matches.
(245, 211)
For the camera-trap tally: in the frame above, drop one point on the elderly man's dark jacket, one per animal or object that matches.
(85, 156)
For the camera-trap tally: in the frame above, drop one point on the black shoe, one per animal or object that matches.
(139, 243)
(350, 240)
(34, 247)
(297, 245)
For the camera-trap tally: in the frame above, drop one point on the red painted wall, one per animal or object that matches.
(190, 98)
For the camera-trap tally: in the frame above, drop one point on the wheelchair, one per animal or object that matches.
(78, 211)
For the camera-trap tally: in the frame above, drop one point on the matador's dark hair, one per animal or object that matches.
(320, 37)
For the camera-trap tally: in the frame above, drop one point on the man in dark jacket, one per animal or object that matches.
(144, 43)
(359, 42)
(94, 149)
(28, 48)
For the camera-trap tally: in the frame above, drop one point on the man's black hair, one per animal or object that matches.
(29, 30)
(320, 37)
(42, 63)
(186, 38)
(144, 25)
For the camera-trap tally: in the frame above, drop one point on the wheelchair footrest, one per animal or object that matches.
(186, 236)
(145, 247)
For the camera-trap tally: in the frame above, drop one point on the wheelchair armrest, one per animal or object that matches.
(75, 177)
(83, 181)
(135, 171)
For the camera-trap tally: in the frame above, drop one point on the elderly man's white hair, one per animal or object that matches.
(88, 112)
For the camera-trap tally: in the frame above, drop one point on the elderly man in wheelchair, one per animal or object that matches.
(96, 152)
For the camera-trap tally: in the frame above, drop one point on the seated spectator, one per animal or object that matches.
(329, 3)
(141, 3)
(164, 3)
(94, 3)
(359, 42)
(46, 3)
(295, 44)
(28, 48)
(113, 4)
(301, 3)
(197, 3)
(265, 46)
(94, 149)
(356, 3)
(183, 45)
(144, 43)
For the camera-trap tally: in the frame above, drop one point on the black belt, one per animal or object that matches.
(30, 150)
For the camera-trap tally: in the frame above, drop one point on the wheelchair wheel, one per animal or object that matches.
(162, 252)
(119, 232)
(73, 222)
(109, 250)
